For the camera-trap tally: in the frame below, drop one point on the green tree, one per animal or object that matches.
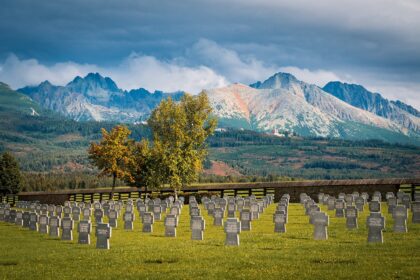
(113, 155)
(10, 177)
(146, 170)
(179, 134)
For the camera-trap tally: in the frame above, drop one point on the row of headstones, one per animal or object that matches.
(47, 218)
(57, 226)
(375, 221)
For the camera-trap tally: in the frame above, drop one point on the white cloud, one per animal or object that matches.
(227, 62)
(318, 77)
(133, 72)
(153, 74)
(19, 73)
(205, 65)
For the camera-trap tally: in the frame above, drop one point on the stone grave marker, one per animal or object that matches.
(351, 217)
(312, 210)
(232, 230)
(406, 200)
(170, 225)
(374, 206)
(19, 218)
(400, 216)
(320, 197)
(129, 208)
(231, 207)
(157, 212)
(400, 195)
(164, 204)
(197, 227)
(375, 224)
(33, 221)
(365, 195)
(2, 214)
(59, 210)
(44, 209)
(84, 229)
(415, 208)
(255, 211)
(392, 203)
(142, 209)
(7, 214)
(210, 208)
(360, 203)
(240, 204)
(87, 212)
(279, 219)
(113, 218)
(67, 211)
(349, 199)
(54, 225)
(12, 216)
(218, 217)
(26, 219)
(98, 213)
(67, 225)
(43, 224)
(195, 211)
(340, 205)
(150, 205)
(320, 221)
(76, 213)
(388, 195)
(103, 234)
(51, 210)
(331, 203)
(245, 218)
(148, 220)
(128, 220)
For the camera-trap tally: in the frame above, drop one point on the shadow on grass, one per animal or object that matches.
(334, 261)
(271, 249)
(8, 263)
(297, 237)
(161, 261)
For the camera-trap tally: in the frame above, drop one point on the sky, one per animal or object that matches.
(194, 44)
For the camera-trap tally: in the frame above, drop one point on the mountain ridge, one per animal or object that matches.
(360, 97)
(281, 102)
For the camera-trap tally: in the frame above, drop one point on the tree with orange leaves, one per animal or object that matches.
(113, 155)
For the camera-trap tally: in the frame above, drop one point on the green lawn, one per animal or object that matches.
(261, 255)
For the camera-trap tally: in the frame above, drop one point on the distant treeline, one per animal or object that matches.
(59, 181)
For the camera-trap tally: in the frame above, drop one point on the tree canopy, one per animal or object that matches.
(10, 177)
(113, 154)
(180, 130)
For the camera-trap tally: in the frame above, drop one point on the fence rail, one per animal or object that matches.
(294, 188)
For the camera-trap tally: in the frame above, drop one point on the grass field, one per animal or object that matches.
(262, 253)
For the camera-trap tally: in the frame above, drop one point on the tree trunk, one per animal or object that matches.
(145, 192)
(114, 178)
(176, 194)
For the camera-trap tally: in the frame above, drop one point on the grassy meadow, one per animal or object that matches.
(262, 253)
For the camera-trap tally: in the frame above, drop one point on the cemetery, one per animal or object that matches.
(157, 238)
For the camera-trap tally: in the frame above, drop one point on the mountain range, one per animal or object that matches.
(281, 102)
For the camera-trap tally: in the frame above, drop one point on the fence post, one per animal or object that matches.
(413, 191)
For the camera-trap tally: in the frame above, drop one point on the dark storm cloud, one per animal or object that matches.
(378, 39)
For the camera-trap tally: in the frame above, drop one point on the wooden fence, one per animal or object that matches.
(294, 188)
